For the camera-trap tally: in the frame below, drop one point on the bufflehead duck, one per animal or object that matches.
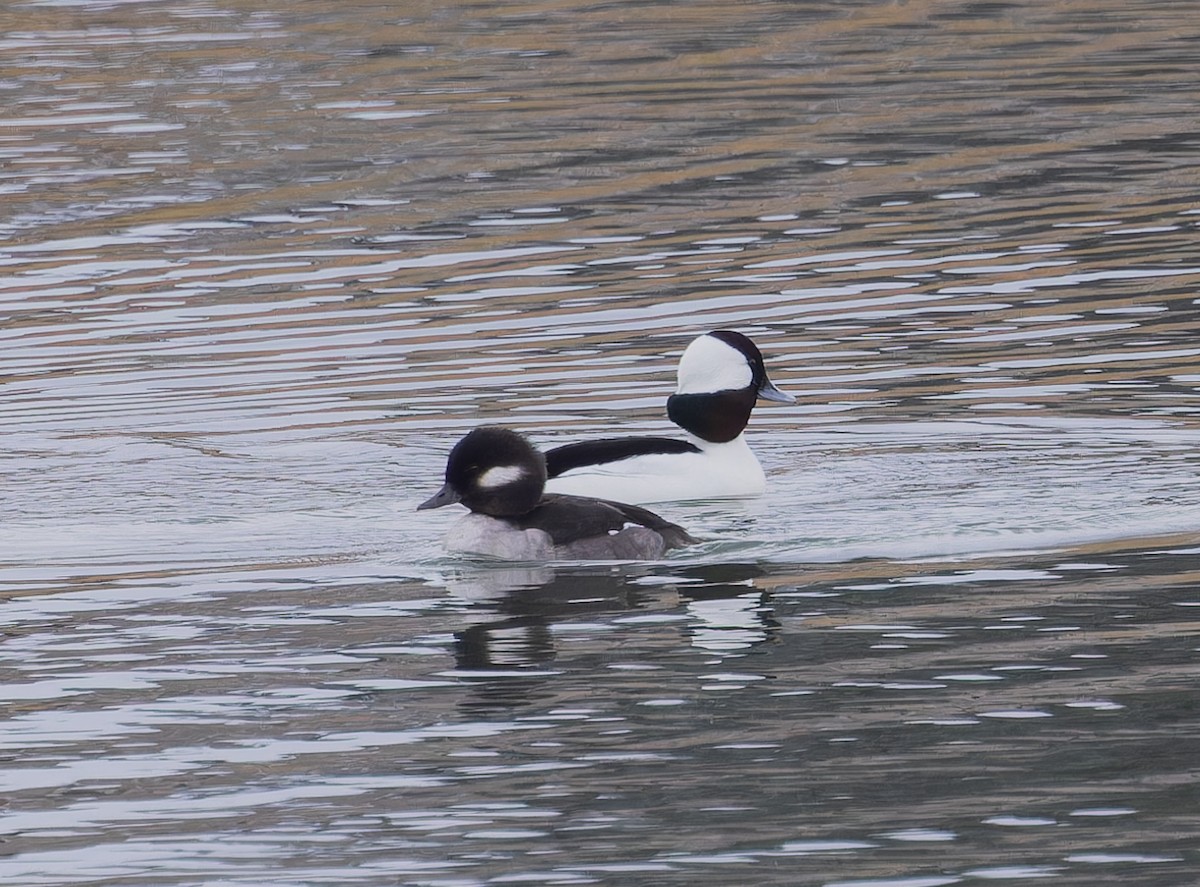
(500, 477)
(721, 375)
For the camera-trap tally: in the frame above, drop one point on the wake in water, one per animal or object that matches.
(955, 490)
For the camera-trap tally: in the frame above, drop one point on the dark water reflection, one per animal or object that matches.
(1027, 719)
(260, 267)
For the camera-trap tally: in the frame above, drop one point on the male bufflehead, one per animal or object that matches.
(500, 477)
(721, 374)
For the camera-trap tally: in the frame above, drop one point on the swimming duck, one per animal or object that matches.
(499, 476)
(721, 375)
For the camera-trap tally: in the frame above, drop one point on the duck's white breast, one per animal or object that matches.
(492, 537)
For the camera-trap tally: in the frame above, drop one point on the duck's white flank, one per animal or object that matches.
(485, 536)
(719, 471)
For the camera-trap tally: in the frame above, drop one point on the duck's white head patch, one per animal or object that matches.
(500, 476)
(709, 365)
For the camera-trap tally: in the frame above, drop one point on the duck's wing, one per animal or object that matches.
(568, 457)
(571, 518)
(674, 536)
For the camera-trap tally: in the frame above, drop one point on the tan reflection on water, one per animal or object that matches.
(204, 204)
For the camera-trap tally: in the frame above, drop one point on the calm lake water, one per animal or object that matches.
(260, 268)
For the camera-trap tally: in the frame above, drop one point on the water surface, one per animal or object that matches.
(259, 269)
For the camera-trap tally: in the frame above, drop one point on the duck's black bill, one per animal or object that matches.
(768, 391)
(445, 496)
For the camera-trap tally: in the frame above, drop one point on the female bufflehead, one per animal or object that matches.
(721, 375)
(500, 477)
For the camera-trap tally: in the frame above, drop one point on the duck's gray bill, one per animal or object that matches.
(444, 496)
(768, 391)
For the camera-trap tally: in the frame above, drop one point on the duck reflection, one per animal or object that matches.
(731, 614)
(504, 656)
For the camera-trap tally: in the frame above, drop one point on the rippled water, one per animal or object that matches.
(260, 268)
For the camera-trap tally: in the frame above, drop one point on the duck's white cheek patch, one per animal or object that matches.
(500, 475)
